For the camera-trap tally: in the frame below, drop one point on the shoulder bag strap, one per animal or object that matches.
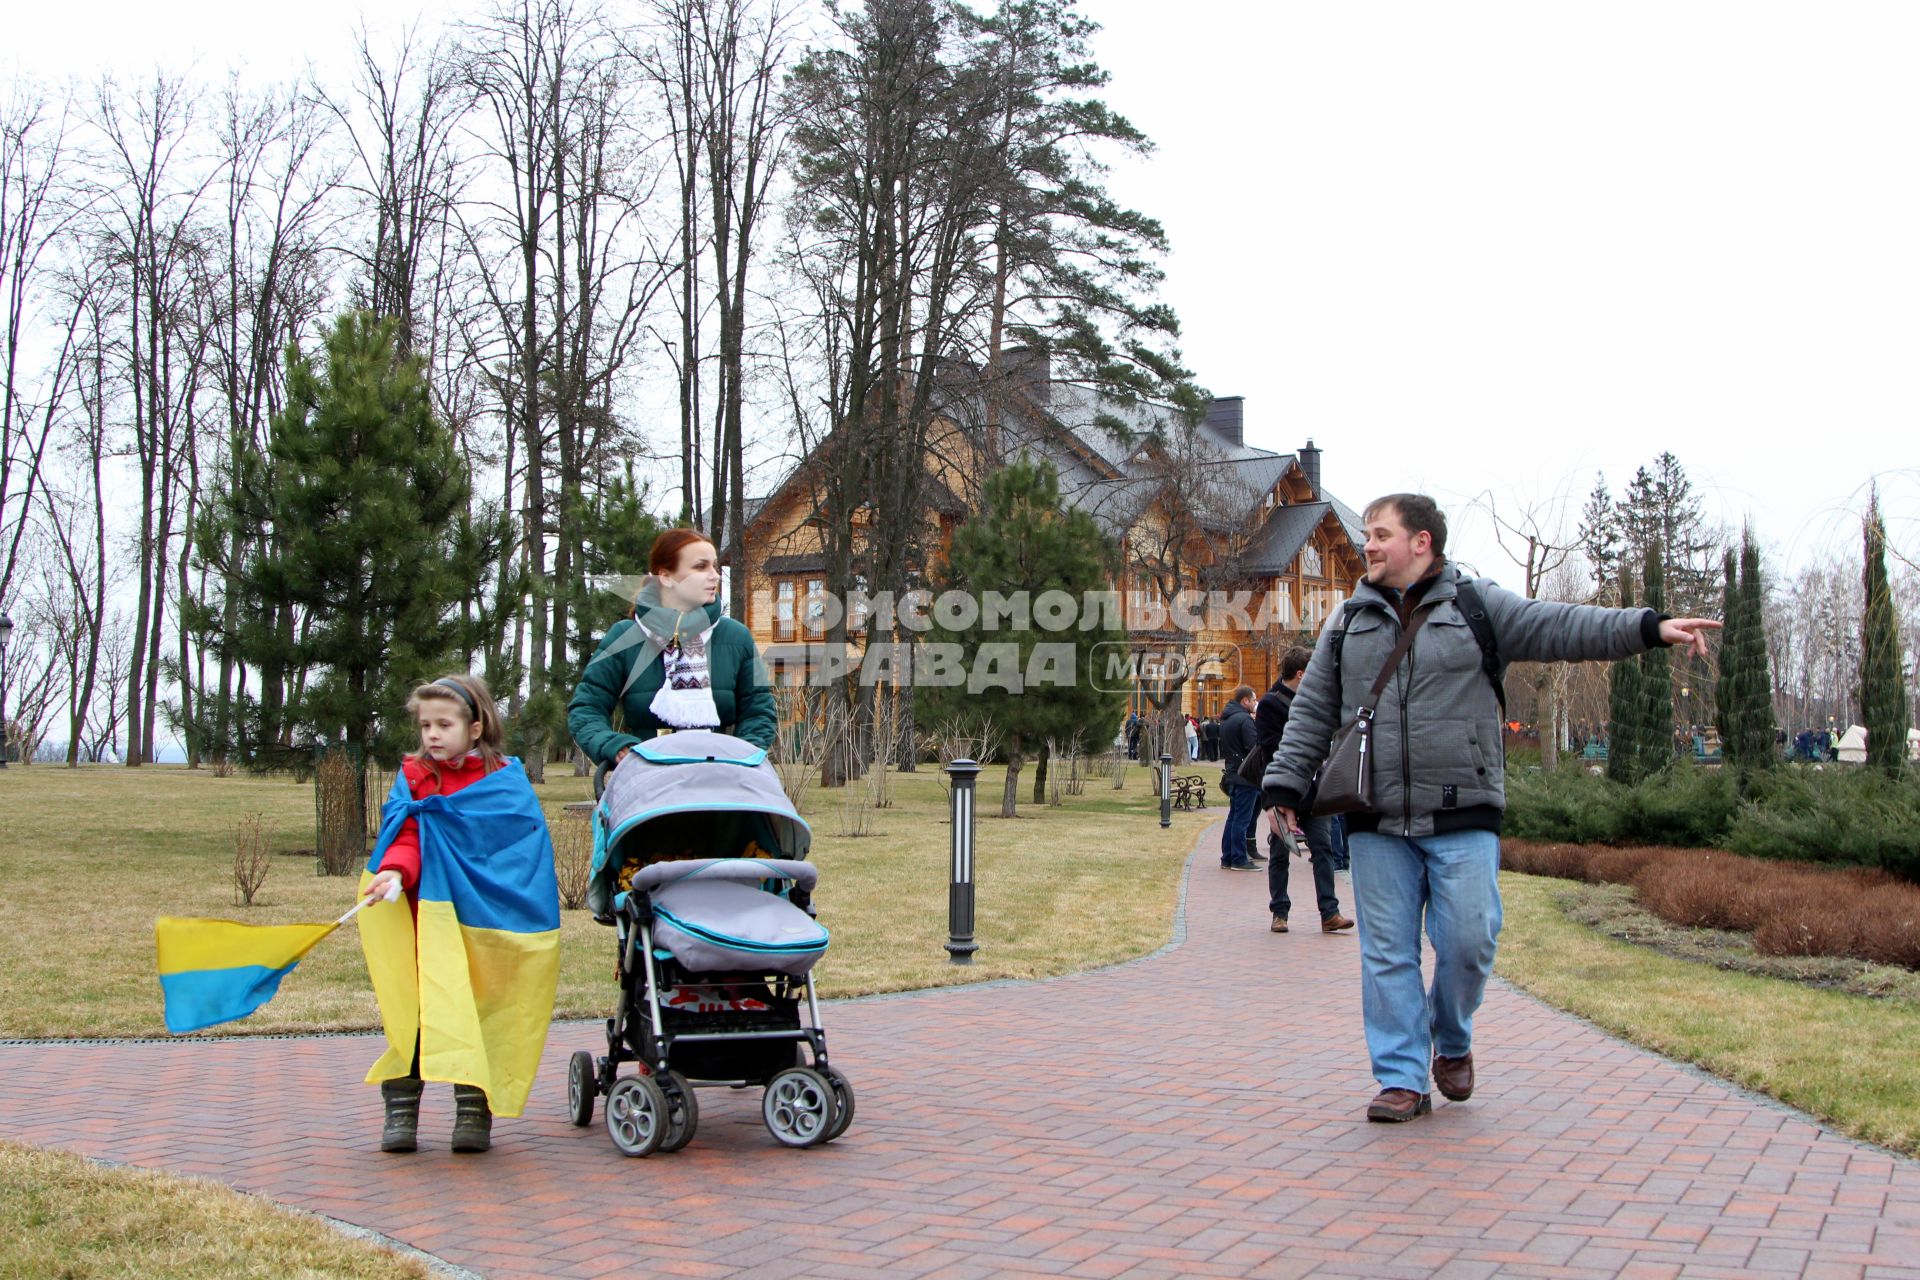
(1393, 659)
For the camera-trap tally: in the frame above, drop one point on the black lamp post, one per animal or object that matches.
(6, 634)
(1166, 789)
(960, 944)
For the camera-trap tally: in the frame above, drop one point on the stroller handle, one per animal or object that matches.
(750, 870)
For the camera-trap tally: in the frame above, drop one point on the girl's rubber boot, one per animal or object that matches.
(403, 1115)
(472, 1119)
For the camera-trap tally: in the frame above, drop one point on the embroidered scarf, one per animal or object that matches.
(685, 700)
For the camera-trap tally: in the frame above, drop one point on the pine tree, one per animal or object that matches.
(1599, 537)
(361, 501)
(1662, 510)
(1883, 694)
(616, 533)
(1623, 708)
(1024, 540)
(1654, 724)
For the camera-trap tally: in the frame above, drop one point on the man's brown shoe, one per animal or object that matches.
(1335, 923)
(1396, 1106)
(1279, 924)
(1455, 1077)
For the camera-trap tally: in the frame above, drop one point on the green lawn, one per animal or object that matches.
(95, 854)
(65, 1217)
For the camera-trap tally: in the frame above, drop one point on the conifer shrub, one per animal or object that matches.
(1840, 815)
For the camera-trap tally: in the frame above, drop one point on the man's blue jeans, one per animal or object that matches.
(1243, 806)
(1451, 882)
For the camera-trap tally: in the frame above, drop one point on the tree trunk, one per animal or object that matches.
(1040, 765)
(1549, 719)
(1010, 795)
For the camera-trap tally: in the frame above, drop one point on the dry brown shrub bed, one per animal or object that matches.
(1791, 909)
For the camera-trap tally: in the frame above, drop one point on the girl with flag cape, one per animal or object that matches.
(466, 971)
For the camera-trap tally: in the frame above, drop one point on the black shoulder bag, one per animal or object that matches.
(1345, 782)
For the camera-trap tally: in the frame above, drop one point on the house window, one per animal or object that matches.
(1310, 561)
(783, 604)
(816, 603)
(857, 608)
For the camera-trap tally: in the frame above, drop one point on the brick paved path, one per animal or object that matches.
(1194, 1114)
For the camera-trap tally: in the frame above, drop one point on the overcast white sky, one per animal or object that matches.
(1467, 246)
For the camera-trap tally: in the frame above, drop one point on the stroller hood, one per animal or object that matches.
(696, 772)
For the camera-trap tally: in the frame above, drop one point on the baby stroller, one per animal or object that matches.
(699, 864)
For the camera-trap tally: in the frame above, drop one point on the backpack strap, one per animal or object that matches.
(1467, 597)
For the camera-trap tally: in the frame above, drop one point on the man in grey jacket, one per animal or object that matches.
(1428, 849)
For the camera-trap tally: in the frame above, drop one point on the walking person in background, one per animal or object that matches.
(1269, 724)
(1243, 797)
(1426, 849)
(1193, 737)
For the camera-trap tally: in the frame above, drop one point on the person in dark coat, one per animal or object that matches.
(1243, 797)
(1269, 723)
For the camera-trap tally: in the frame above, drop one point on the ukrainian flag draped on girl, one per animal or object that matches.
(473, 979)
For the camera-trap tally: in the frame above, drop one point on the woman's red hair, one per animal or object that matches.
(665, 556)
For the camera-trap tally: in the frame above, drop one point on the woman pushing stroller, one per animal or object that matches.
(676, 663)
(699, 865)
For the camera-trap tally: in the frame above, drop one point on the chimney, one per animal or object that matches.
(1227, 417)
(1028, 373)
(1310, 465)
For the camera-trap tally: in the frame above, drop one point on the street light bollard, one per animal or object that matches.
(6, 634)
(960, 944)
(1166, 790)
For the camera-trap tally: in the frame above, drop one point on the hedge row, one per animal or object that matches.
(1837, 814)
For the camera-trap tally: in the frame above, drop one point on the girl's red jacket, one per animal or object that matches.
(403, 855)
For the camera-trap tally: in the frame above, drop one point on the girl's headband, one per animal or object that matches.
(473, 708)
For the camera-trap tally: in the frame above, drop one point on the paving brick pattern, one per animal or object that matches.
(1198, 1113)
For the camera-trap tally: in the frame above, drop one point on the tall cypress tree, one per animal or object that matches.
(1753, 691)
(1883, 693)
(1654, 722)
(1725, 690)
(1623, 707)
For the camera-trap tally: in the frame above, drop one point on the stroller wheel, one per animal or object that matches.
(683, 1110)
(580, 1089)
(842, 1103)
(799, 1107)
(636, 1115)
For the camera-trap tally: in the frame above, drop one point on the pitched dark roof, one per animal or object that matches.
(1287, 529)
(1356, 526)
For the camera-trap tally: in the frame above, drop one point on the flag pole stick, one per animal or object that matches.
(392, 895)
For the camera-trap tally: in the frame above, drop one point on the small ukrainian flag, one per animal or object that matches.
(214, 971)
